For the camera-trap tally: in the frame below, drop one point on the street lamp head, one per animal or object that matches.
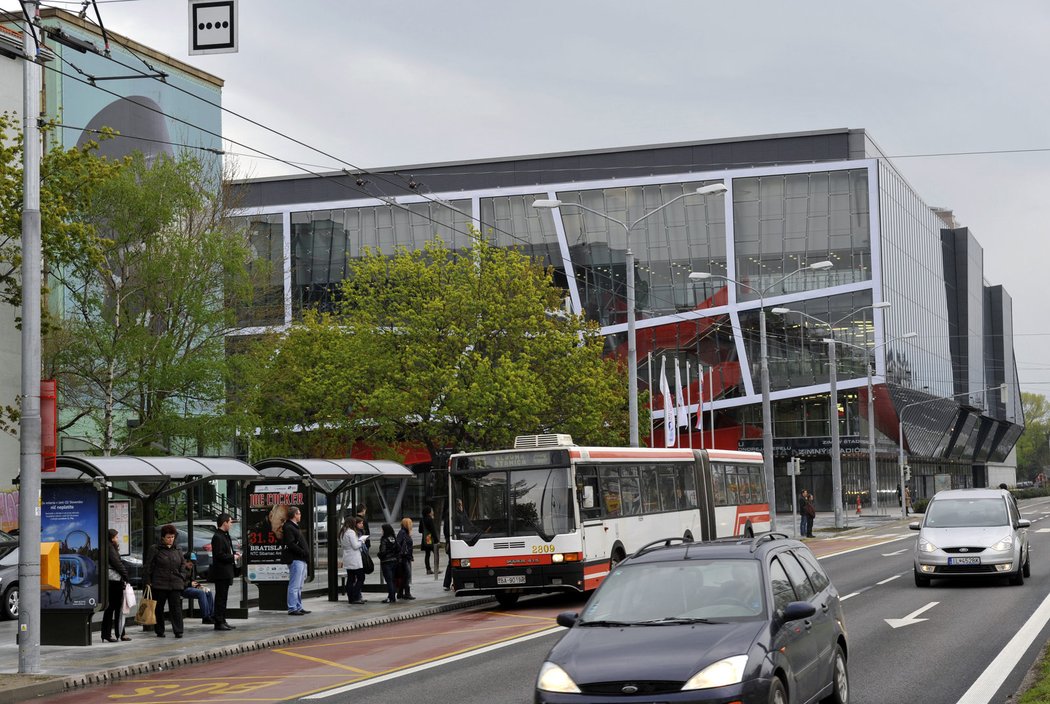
(783, 311)
(545, 203)
(881, 305)
(909, 335)
(712, 189)
(821, 265)
(699, 275)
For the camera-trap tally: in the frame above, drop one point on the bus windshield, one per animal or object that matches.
(515, 503)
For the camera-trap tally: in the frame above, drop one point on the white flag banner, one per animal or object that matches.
(700, 399)
(679, 401)
(670, 431)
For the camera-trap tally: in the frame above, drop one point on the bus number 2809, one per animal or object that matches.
(538, 549)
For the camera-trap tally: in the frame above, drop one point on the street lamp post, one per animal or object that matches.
(900, 433)
(836, 450)
(632, 337)
(767, 413)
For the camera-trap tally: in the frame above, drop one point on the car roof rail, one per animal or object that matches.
(763, 537)
(662, 542)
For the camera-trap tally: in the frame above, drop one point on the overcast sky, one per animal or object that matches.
(387, 83)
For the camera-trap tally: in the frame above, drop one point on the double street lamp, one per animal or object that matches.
(836, 449)
(632, 338)
(767, 415)
(900, 434)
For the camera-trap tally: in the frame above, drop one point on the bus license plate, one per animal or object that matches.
(513, 579)
(964, 560)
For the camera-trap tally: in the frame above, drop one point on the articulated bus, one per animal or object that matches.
(552, 516)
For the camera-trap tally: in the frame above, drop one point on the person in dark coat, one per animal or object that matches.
(113, 618)
(164, 577)
(196, 590)
(404, 546)
(223, 569)
(389, 559)
(429, 536)
(295, 554)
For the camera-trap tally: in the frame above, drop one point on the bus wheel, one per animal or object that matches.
(688, 537)
(507, 599)
(616, 558)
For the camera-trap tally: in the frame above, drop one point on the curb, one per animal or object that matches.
(64, 684)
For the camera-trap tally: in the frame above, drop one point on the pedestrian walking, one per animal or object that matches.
(428, 536)
(389, 559)
(404, 545)
(195, 590)
(809, 512)
(295, 553)
(113, 617)
(907, 500)
(164, 577)
(350, 544)
(223, 568)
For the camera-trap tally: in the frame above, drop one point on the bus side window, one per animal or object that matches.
(611, 495)
(718, 480)
(587, 489)
(650, 490)
(667, 490)
(688, 483)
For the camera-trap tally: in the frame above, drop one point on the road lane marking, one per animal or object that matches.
(849, 596)
(891, 554)
(864, 547)
(432, 664)
(985, 686)
(322, 661)
(507, 613)
(886, 581)
(911, 619)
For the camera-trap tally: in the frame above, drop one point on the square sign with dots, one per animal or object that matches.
(213, 26)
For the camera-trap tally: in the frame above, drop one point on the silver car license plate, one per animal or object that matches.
(512, 579)
(964, 560)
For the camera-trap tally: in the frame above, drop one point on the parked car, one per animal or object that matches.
(208, 528)
(972, 533)
(753, 620)
(9, 574)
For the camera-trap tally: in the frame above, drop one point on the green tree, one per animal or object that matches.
(69, 178)
(438, 348)
(139, 350)
(1033, 451)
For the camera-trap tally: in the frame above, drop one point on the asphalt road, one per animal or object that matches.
(955, 632)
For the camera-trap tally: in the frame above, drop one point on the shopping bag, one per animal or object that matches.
(367, 563)
(129, 599)
(147, 611)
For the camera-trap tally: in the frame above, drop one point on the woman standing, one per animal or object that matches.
(113, 618)
(164, 577)
(350, 544)
(389, 559)
(429, 539)
(404, 546)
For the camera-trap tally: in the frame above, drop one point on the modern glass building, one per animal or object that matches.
(792, 200)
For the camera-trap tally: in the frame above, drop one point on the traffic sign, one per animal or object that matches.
(213, 26)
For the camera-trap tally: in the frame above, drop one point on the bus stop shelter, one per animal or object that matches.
(150, 479)
(332, 477)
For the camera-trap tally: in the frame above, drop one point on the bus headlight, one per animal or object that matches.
(465, 562)
(557, 557)
(554, 679)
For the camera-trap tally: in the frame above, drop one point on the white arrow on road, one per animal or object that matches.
(891, 554)
(910, 618)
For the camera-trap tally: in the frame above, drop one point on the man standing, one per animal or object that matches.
(295, 554)
(223, 569)
(808, 513)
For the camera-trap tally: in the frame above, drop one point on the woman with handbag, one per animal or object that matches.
(164, 577)
(350, 544)
(113, 617)
(429, 536)
(389, 559)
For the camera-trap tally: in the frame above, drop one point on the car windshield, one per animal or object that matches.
(679, 591)
(966, 513)
(520, 502)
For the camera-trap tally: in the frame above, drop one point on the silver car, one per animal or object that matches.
(972, 533)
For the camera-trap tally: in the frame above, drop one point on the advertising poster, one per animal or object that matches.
(70, 517)
(120, 519)
(267, 513)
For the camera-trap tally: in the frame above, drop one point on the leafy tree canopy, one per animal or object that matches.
(1033, 451)
(444, 349)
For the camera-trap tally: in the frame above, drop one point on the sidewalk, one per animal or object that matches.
(67, 667)
(824, 523)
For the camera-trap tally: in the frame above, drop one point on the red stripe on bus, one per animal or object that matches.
(737, 455)
(509, 561)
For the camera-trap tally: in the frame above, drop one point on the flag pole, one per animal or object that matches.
(652, 400)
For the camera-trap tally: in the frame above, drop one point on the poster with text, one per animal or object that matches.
(120, 519)
(70, 517)
(267, 513)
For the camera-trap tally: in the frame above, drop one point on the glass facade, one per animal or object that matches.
(885, 244)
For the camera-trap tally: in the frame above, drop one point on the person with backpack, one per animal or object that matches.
(404, 544)
(389, 559)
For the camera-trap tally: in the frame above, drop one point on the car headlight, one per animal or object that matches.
(719, 674)
(554, 679)
(1006, 543)
(926, 546)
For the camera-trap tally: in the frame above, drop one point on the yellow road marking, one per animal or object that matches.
(501, 613)
(412, 636)
(289, 653)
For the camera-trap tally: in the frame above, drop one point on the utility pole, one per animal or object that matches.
(29, 427)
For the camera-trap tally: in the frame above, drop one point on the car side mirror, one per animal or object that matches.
(567, 619)
(915, 526)
(1024, 523)
(797, 610)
